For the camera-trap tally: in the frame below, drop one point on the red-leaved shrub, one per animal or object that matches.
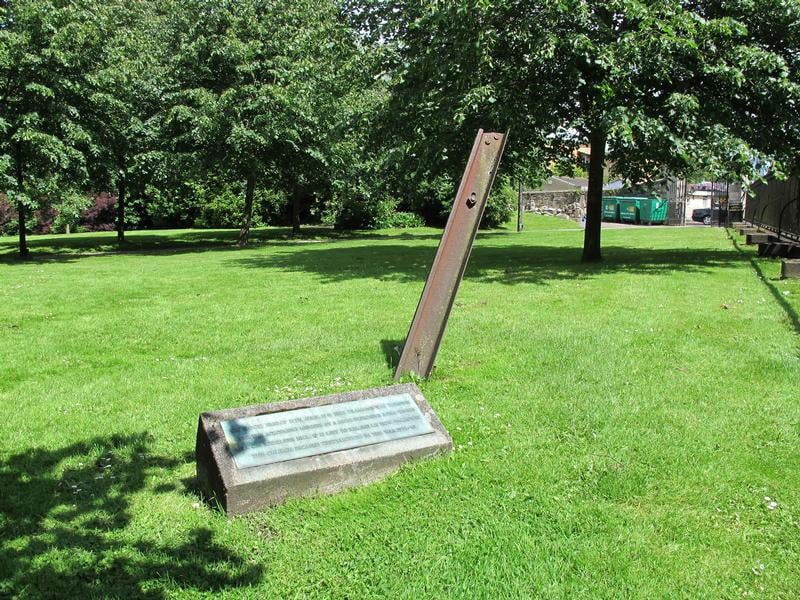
(8, 217)
(101, 215)
(44, 219)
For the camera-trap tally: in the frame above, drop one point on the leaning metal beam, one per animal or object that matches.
(430, 320)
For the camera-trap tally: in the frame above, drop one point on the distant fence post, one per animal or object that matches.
(520, 226)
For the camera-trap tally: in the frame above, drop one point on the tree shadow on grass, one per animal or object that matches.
(490, 264)
(791, 314)
(63, 249)
(66, 528)
(66, 248)
(72, 248)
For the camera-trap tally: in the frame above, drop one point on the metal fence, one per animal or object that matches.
(775, 205)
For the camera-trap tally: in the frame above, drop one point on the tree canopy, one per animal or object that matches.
(46, 47)
(256, 94)
(656, 87)
(354, 109)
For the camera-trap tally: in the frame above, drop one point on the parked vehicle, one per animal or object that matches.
(702, 215)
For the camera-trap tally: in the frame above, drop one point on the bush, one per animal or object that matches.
(69, 212)
(433, 200)
(101, 214)
(172, 206)
(405, 220)
(388, 217)
(38, 221)
(222, 209)
(43, 219)
(375, 214)
(222, 206)
(500, 207)
(356, 209)
(8, 217)
(271, 207)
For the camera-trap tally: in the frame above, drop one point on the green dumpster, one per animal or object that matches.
(611, 209)
(652, 210)
(629, 210)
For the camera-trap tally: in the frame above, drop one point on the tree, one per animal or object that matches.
(654, 86)
(45, 46)
(256, 91)
(125, 89)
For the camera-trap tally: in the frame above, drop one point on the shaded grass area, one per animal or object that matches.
(66, 518)
(70, 246)
(618, 427)
(785, 292)
(541, 222)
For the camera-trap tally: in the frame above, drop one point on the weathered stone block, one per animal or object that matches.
(257, 456)
(790, 268)
(748, 229)
(775, 250)
(760, 238)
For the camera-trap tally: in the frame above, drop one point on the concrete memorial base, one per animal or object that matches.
(257, 456)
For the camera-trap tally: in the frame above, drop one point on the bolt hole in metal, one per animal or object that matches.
(472, 200)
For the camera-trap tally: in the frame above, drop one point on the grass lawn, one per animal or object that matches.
(624, 430)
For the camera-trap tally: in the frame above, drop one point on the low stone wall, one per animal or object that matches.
(570, 205)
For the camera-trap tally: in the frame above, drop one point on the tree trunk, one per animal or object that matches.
(594, 196)
(122, 188)
(297, 206)
(23, 241)
(247, 217)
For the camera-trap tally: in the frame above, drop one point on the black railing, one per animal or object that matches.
(775, 206)
(780, 217)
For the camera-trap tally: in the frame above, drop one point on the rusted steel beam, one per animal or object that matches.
(430, 320)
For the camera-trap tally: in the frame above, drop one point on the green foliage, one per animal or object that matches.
(669, 86)
(365, 213)
(257, 93)
(433, 199)
(387, 216)
(175, 205)
(502, 205)
(219, 208)
(334, 107)
(46, 48)
(401, 219)
(69, 209)
(271, 207)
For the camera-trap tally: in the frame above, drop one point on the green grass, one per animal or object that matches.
(542, 222)
(191, 240)
(617, 426)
